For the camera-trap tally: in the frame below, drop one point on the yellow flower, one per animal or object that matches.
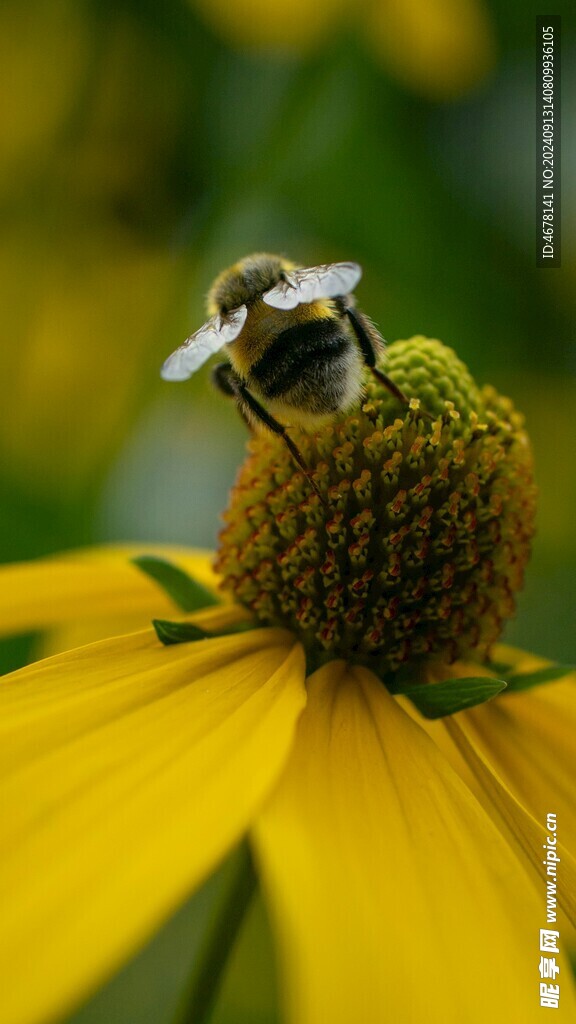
(401, 858)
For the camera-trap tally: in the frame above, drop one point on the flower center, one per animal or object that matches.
(426, 530)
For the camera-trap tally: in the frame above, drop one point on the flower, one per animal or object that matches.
(427, 531)
(401, 856)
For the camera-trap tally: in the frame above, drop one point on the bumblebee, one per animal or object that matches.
(296, 342)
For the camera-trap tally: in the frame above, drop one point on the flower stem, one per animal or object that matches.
(199, 998)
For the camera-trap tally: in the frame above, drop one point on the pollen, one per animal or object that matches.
(421, 544)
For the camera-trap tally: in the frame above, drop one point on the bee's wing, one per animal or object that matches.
(311, 283)
(216, 332)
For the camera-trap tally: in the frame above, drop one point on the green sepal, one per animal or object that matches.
(440, 699)
(189, 595)
(549, 674)
(178, 632)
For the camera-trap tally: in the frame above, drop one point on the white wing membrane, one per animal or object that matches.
(312, 283)
(216, 332)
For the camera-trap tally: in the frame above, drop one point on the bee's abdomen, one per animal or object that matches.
(298, 353)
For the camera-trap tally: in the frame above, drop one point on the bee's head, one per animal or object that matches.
(245, 281)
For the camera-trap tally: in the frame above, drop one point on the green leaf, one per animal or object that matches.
(440, 699)
(178, 632)
(526, 680)
(184, 591)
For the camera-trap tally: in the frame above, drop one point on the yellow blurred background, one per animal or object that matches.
(146, 146)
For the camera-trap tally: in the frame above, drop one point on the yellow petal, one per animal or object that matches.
(524, 832)
(517, 754)
(394, 896)
(529, 739)
(91, 583)
(128, 770)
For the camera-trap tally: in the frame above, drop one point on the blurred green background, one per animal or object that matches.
(146, 146)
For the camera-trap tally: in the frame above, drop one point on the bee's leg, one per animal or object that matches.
(250, 409)
(222, 375)
(370, 344)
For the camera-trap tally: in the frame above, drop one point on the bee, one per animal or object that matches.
(297, 345)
